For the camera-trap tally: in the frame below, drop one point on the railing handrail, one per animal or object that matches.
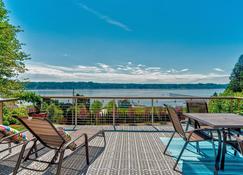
(139, 97)
(8, 99)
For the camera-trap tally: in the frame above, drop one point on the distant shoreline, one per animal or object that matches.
(92, 85)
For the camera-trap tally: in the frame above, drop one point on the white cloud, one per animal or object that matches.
(218, 69)
(119, 74)
(184, 70)
(105, 18)
(66, 55)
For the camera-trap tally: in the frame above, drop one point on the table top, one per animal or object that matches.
(217, 120)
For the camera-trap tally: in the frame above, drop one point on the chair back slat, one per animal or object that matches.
(43, 130)
(197, 106)
(175, 121)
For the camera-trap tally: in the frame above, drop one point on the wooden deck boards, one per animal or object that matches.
(126, 153)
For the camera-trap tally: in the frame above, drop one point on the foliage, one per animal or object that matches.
(55, 113)
(84, 101)
(8, 112)
(12, 56)
(29, 96)
(96, 106)
(6, 123)
(234, 89)
(109, 106)
(236, 78)
(18, 127)
(220, 105)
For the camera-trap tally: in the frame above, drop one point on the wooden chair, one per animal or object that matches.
(46, 133)
(196, 135)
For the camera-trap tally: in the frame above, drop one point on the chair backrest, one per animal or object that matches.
(43, 130)
(196, 106)
(175, 121)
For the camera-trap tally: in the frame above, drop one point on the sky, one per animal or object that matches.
(124, 41)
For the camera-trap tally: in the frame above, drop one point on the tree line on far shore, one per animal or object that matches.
(93, 85)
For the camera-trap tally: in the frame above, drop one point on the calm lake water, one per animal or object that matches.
(134, 93)
(131, 92)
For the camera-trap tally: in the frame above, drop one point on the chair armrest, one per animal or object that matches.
(199, 130)
(203, 129)
(237, 138)
(73, 140)
(8, 137)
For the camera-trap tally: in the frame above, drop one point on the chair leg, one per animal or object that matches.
(103, 133)
(30, 151)
(179, 157)
(86, 149)
(35, 148)
(59, 167)
(187, 125)
(21, 154)
(169, 142)
(9, 146)
(214, 148)
(197, 147)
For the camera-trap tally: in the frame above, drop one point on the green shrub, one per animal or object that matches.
(55, 113)
(29, 96)
(8, 112)
(228, 106)
(6, 123)
(96, 106)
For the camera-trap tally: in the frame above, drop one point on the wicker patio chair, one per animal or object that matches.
(196, 135)
(48, 135)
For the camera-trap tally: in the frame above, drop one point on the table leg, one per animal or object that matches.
(224, 150)
(217, 160)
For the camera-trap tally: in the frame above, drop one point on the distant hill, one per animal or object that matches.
(92, 85)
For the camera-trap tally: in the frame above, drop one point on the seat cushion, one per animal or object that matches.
(67, 137)
(7, 131)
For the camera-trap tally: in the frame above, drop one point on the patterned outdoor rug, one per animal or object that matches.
(193, 163)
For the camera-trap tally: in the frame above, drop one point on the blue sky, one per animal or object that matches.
(140, 41)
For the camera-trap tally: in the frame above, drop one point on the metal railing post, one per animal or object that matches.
(1, 112)
(238, 101)
(114, 113)
(76, 113)
(152, 112)
(231, 105)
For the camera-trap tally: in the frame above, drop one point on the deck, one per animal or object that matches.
(130, 150)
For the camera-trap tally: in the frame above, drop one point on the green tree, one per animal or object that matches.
(96, 106)
(55, 113)
(236, 78)
(12, 56)
(109, 106)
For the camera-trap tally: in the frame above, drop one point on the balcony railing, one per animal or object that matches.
(81, 110)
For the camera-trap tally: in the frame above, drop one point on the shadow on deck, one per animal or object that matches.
(129, 150)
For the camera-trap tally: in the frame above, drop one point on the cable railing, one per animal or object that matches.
(82, 110)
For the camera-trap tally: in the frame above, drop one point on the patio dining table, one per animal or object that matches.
(220, 122)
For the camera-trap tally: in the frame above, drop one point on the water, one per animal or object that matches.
(131, 92)
(134, 93)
